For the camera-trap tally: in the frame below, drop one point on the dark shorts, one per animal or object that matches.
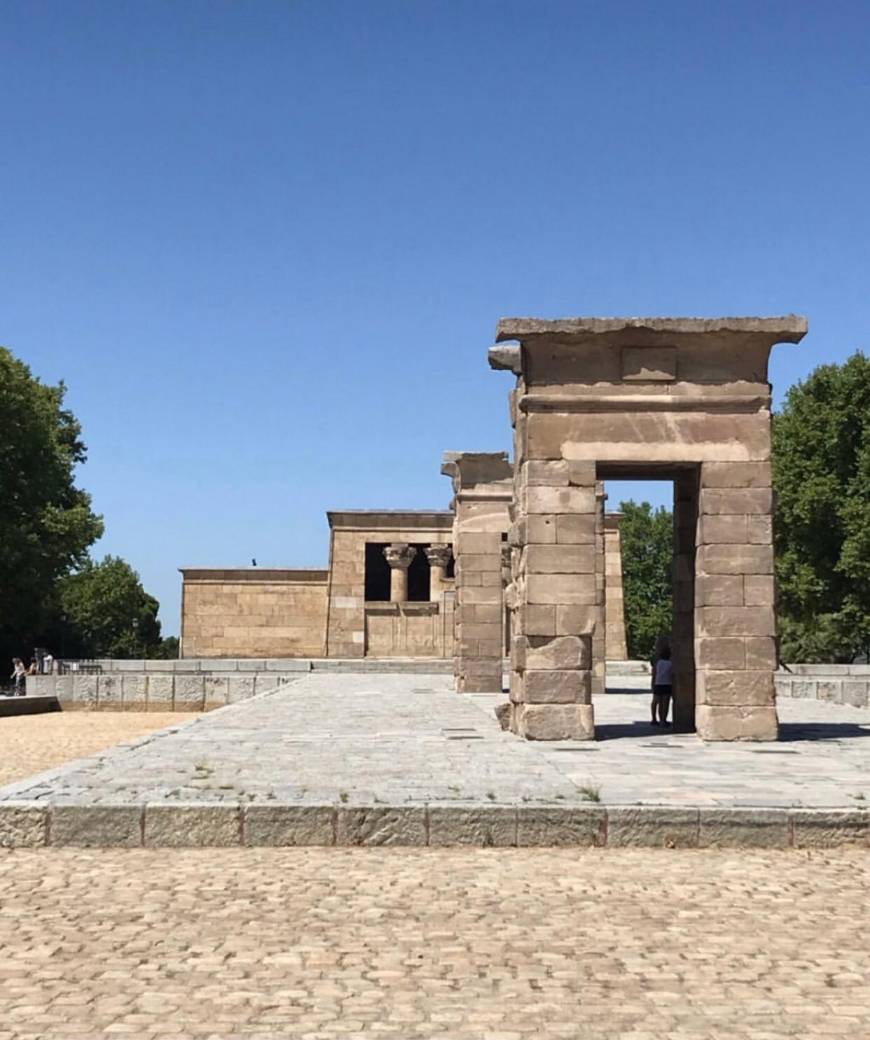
(662, 691)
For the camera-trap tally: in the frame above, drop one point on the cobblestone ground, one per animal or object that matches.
(454, 944)
(31, 743)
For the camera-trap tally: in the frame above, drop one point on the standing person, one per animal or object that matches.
(662, 685)
(18, 674)
(48, 663)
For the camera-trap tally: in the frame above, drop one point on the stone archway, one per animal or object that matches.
(686, 397)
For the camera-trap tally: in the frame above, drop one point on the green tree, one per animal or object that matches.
(821, 473)
(46, 522)
(647, 540)
(108, 613)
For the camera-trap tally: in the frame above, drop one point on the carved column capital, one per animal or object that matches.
(400, 555)
(438, 554)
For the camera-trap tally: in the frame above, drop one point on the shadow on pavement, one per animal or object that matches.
(790, 731)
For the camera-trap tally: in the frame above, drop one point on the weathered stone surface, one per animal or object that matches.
(560, 559)
(96, 825)
(734, 559)
(818, 829)
(760, 652)
(487, 826)
(576, 529)
(719, 590)
(735, 687)
(549, 826)
(540, 499)
(564, 589)
(23, 825)
(556, 686)
(721, 653)
(555, 721)
(737, 475)
(286, 825)
(192, 824)
(759, 590)
(736, 621)
(503, 714)
(667, 828)
(744, 828)
(375, 825)
(723, 529)
(560, 652)
(736, 500)
(715, 722)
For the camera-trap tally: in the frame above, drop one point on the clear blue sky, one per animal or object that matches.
(266, 243)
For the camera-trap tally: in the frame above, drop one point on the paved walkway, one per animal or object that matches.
(405, 740)
(479, 944)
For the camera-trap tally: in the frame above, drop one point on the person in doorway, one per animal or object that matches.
(18, 674)
(662, 686)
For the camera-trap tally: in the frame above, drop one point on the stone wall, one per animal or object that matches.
(254, 612)
(835, 683)
(350, 622)
(155, 691)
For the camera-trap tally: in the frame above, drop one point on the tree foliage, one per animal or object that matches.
(647, 539)
(821, 468)
(46, 522)
(108, 613)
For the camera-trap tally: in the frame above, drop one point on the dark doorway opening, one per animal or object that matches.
(377, 573)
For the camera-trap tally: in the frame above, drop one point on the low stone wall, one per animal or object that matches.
(139, 691)
(834, 683)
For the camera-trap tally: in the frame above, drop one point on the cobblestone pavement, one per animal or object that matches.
(32, 743)
(453, 944)
(409, 739)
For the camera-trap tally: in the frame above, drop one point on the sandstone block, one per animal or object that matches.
(759, 590)
(160, 692)
(726, 653)
(109, 691)
(23, 825)
(380, 825)
(556, 687)
(576, 619)
(285, 825)
(575, 529)
(736, 475)
(192, 825)
(557, 500)
(855, 692)
(825, 829)
(537, 529)
(560, 559)
(719, 590)
(189, 693)
(536, 619)
(653, 826)
(735, 687)
(560, 652)
(134, 691)
(118, 826)
(476, 542)
(759, 530)
(549, 826)
(503, 711)
(744, 828)
(736, 621)
(715, 722)
(555, 721)
(736, 500)
(540, 472)
(563, 589)
(494, 826)
(735, 559)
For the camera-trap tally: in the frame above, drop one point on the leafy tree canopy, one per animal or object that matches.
(46, 522)
(647, 538)
(821, 473)
(108, 613)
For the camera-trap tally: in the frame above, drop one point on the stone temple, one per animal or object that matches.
(526, 561)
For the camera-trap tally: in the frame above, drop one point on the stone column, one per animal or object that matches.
(735, 650)
(438, 554)
(399, 556)
(555, 595)
(614, 599)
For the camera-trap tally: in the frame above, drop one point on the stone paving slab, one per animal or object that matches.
(433, 944)
(402, 759)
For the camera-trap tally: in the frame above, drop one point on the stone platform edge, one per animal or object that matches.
(29, 824)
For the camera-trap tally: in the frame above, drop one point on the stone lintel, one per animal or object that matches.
(790, 328)
(401, 519)
(472, 468)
